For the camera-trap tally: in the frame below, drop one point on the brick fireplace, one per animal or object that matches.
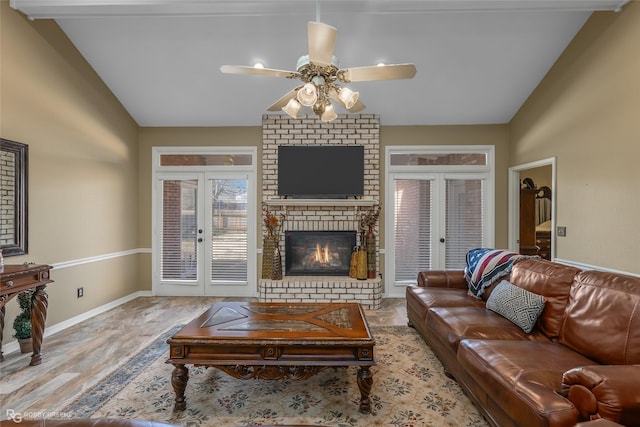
(320, 215)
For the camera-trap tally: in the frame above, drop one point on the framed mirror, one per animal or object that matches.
(14, 157)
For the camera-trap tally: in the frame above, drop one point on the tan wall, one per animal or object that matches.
(83, 160)
(586, 112)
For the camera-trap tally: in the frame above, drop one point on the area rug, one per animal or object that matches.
(409, 389)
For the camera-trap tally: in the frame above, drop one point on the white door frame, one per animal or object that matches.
(158, 171)
(485, 172)
(514, 202)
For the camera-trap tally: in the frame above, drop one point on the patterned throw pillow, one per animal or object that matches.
(516, 304)
(486, 266)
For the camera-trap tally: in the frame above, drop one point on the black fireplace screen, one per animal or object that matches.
(318, 253)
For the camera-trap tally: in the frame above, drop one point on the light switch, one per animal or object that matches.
(562, 231)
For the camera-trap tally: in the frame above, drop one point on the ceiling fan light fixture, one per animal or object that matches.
(292, 108)
(329, 114)
(348, 96)
(322, 77)
(307, 95)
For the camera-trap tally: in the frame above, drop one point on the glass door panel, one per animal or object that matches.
(464, 219)
(229, 228)
(436, 221)
(179, 251)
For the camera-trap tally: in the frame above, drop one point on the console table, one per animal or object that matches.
(16, 279)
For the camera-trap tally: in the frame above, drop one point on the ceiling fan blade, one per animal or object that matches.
(277, 106)
(253, 71)
(358, 106)
(321, 42)
(377, 72)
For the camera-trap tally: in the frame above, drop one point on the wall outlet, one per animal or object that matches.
(80, 292)
(562, 231)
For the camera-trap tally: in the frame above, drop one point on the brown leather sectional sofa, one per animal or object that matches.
(581, 362)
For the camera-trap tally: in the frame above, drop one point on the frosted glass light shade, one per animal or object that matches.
(349, 97)
(328, 114)
(292, 108)
(307, 95)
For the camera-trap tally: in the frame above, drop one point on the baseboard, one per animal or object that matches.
(50, 330)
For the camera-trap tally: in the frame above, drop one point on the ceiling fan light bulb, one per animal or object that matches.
(292, 108)
(307, 95)
(329, 114)
(349, 97)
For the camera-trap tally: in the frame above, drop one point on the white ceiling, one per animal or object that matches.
(477, 60)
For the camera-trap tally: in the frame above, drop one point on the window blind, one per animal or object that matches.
(412, 228)
(179, 230)
(464, 219)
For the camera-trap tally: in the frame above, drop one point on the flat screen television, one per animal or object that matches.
(315, 171)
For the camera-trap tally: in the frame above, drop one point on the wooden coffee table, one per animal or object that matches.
(273, 341)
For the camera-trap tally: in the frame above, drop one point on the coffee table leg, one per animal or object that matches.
(365, 381)
(179, 379)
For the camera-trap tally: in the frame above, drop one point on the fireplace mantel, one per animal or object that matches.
(321, 202)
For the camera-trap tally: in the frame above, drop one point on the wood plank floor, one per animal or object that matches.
(78, 357)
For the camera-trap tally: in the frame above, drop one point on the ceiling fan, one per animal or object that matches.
(320, 75)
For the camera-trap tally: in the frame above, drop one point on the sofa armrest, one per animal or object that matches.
(442, 279)
(605, 391)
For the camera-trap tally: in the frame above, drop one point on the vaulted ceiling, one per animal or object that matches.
(477, 60)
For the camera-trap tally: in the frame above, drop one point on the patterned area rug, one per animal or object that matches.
(409, 389)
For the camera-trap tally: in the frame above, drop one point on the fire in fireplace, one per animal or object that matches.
(318, 253)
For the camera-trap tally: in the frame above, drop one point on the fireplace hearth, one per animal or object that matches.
(318, 253)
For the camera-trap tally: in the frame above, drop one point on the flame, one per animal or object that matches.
(321, 254)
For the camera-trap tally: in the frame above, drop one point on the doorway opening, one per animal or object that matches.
(532, 208)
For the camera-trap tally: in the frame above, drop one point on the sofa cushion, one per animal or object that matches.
(445, 327)
(602, 318)
(454, 324)
(516, 304)
(442, 297)
(522, 378)
(552, 281)
(486, 266)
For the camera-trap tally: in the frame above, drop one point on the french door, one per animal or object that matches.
(433, 219)
(204, 230)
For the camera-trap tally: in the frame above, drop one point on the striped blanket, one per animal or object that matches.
(486, 266)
